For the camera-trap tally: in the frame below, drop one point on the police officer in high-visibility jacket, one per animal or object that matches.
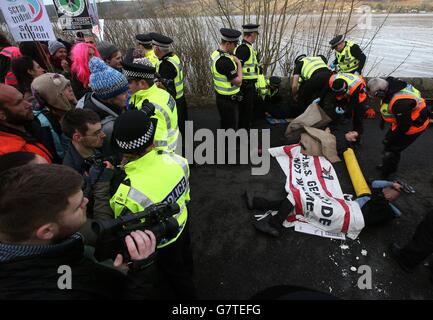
(144, 42)
(250, 71)
(348, 56)
(403, 107)
(170, 68)
(349, 96)
(227, 78)
(153, 177)
(310, 76)
(141, 74)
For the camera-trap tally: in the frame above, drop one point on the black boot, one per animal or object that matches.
(265, 225)
(395, 253)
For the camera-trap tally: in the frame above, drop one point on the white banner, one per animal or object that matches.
(313, 187)
(27, 20)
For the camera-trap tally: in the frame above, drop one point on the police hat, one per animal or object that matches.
(336, 41)
(300, 57)
(134, 131)
(144, 38)
(274, 81)
(161, 40)
(230, 34)
(139, 68)
(339, 87)
(250, 27)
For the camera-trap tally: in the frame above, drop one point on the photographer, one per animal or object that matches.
(84, 129)
(41, 209)
(153, 177)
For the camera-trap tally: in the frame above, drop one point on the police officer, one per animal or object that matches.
(227, 78)
(141, 74)
(144, 42)
(310, 77)
(348, 55)
(403, 107)
(348, 101)
(250, 70)
(154, 177)
(170, 68)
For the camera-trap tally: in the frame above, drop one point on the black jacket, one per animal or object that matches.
(36, 277)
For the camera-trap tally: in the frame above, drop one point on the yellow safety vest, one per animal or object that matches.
(178, 81)
(346, 62)
(250, 69)
(221, 84)
(410, 92)
(150, 55)
(156, 177)
(311, 65)
(167, 131)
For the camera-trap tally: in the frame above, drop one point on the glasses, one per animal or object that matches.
(96, 134)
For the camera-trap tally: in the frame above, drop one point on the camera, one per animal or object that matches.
(98, 160)
(157, 218)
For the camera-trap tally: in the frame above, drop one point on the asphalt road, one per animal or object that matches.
(234, 261)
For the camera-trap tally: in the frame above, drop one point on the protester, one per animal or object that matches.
(108, 98)
(7, 53)
(41, 209)
(110, 54)
(59, 58)
(80, 73)
(18, 129)
(20, 158)
(38, 52)
(55, 97)
(26, 69)
(83, 128)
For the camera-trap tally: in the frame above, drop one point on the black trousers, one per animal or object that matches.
(175, 264)
(246, 106)
(284, 207)
(392, 151)
(421, 245)
(229, 112)
(310, 90)
(182, 114)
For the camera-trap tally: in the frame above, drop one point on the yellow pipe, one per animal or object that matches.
(359, 184)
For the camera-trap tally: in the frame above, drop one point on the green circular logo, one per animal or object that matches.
(72, 8)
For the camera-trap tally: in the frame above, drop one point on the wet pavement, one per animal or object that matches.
(234, 261)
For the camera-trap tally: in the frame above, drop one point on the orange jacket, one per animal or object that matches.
(10, 142)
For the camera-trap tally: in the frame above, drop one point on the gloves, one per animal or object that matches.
(370, 113)
(356, 73)
(317, 101)
(332, 66)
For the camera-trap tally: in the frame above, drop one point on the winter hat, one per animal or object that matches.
(48, 91)
(105, 81)
(106, 49)
(55, 45)
(339, 87)
(134, 131)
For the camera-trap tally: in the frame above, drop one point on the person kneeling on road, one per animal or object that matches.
(41, 209)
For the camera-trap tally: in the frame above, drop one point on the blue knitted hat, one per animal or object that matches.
(105, 81)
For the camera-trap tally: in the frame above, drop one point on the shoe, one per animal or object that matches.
(264, 225)
(249, 196)
(395, 254)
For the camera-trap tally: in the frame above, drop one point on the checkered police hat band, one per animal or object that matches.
(137, 143)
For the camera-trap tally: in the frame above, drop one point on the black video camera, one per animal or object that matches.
(157, 218)
(98, 160)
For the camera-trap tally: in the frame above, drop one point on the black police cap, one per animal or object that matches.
(161, 40)
(139, 68)
(336, 41)
(144, 38)
(230, 34)
(250, 27)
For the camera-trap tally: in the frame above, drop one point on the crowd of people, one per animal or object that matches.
(89, 135)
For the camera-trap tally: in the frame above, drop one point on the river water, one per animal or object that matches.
(401, 34)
